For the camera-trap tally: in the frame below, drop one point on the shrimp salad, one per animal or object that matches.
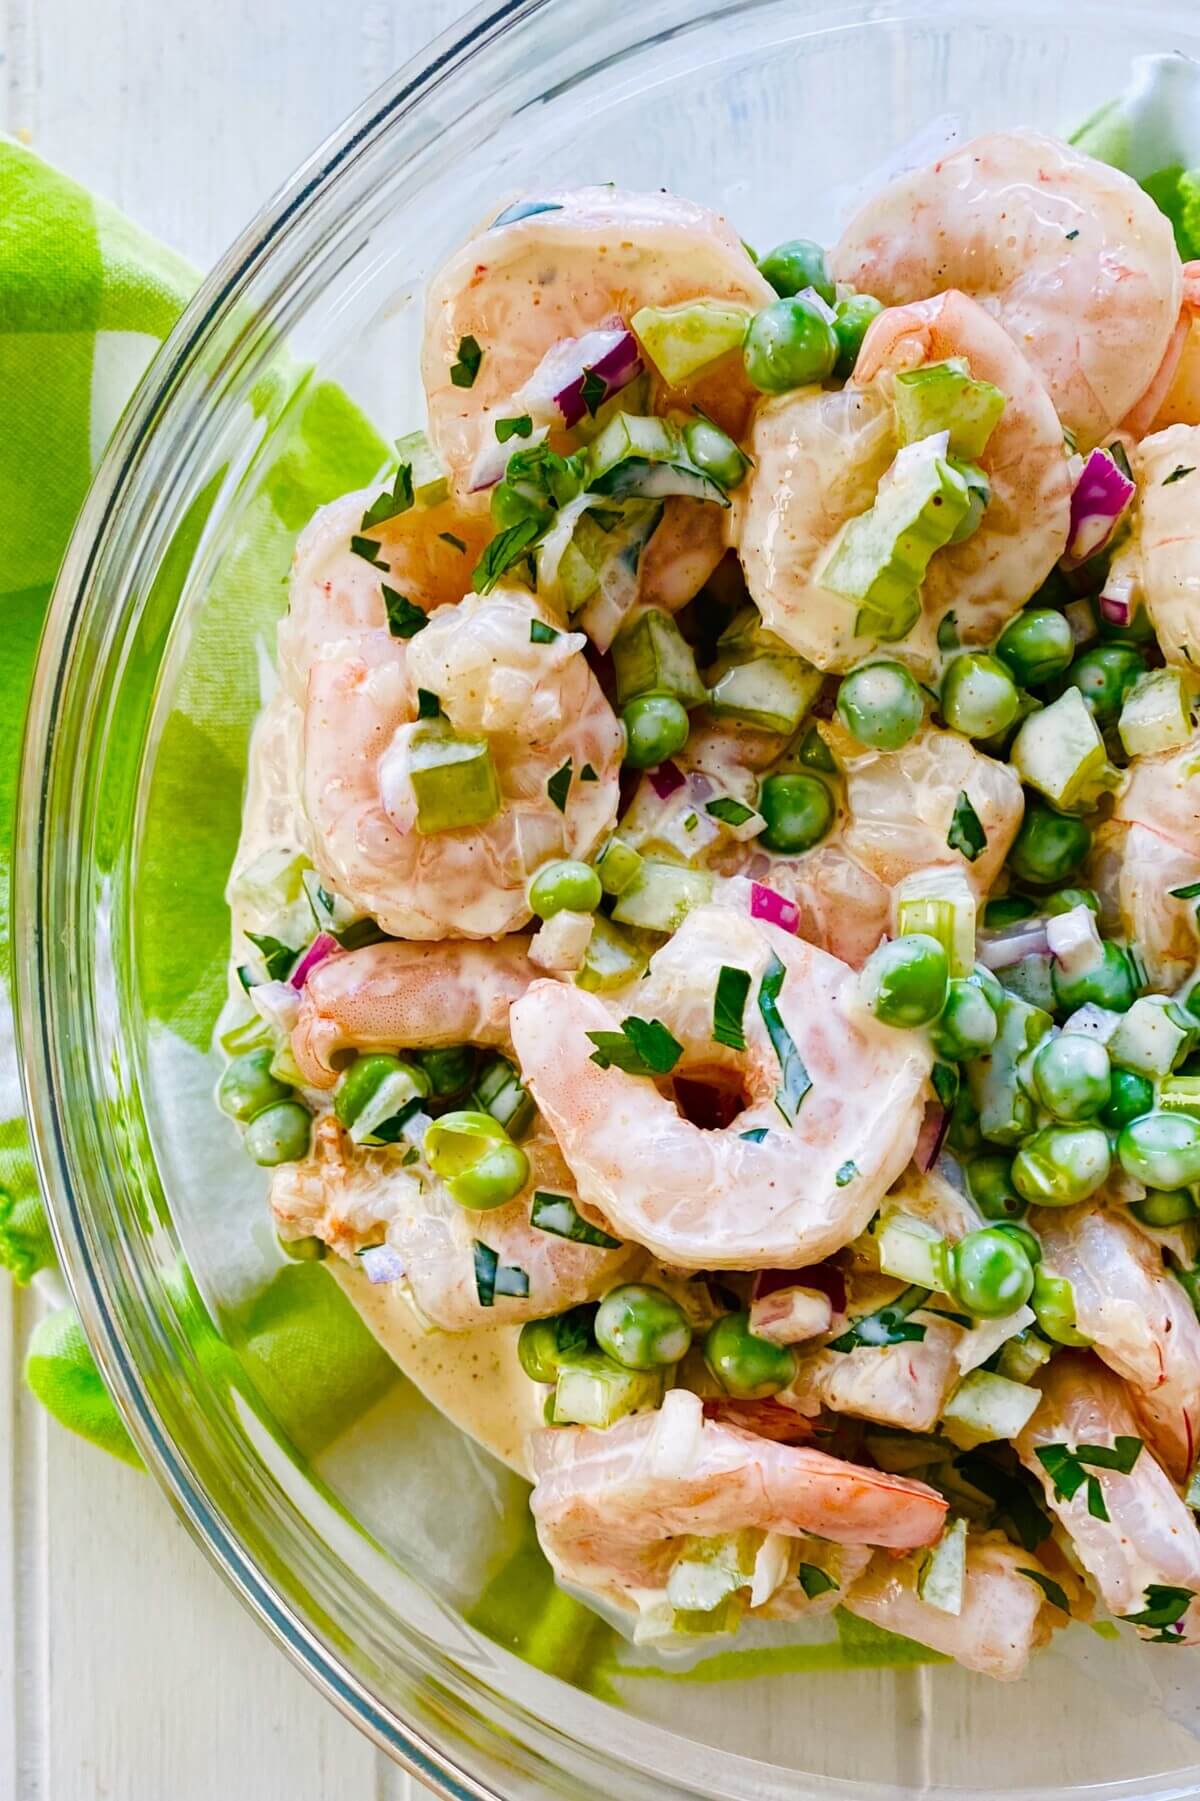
(718, 900)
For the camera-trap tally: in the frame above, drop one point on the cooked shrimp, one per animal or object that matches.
(542, 712)
(1173, 397)
(1134, 871)
(587, 256)
(395, 997)
(1076, 262)
(1149, 1537)
(686, 546)
(844, 909)
(904, 1385)
(1004, 1615)
(702, 1199)
(900, 804)
(1138, 1319)
(350, 1196)
(610, 1506)
(1167, 467)
(1164, 794)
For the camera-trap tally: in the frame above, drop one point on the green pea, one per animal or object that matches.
(854, 318)
(1162, 1150)
(904, 982)
(656, 726)
(881, 705)
(303, 1250)
(1049, 847)
(796, 265)
(979, 696)
(1036, 645)
(1165, 1207)
(790, 344)
(1008, 910)
(1111, 983)
(990, 1186)
(1065, 900)
(546, 1344)
(642, 1327)
(966, 1027)
(990, 984)
(477, 1160)
(567, 886)
(247, 1085)
(715, 454)
(1104, 675)
(279, 1134)
(360, 1083)
(449, 1068)
(1131, 1096)
(747, 1367)
(1029, 1241)
(1053, 1302)
(798, 810)
(1072, 1076)
(991, 1272)
(1059, 1165)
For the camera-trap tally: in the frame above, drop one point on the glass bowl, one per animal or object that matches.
(389, 1557)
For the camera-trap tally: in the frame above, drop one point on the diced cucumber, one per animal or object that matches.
(1075, 941)
(773, 692)
(617, 865)
(912, 1250)
(612, 958)
(944, 397)
(681, 340)
(251, 1035)
(331, 911)
(1151, 1038)
(1092, 1021)
(943, 1573)
(676, 829)
(1060, 752)
(632, 435)
(940, 902)
(284, 1067)
(985, 1407)
(661, 896)
(500, 1092)
(453, 778)
(272, 881)
(615, 555)
(592, 1390)
(429, 481)
(1022, 1356)
(395, 1098)
(880, 558)
(652, 656)
(1031, 979)
(1180, 1094)
(706, 1570)
(1006, 1112)
(1156, 714)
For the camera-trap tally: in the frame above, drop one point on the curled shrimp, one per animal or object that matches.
(580, 259)
(763, 1192)
(1144, 854)
(1148, 1537)
(1173, 397)
(1073, 259)
(1004, 1616)
(544, 718)
(904, 1385)
(1167, 468)
(610, 1507)
(1138, 1319)
(844, 909)
(684, 549)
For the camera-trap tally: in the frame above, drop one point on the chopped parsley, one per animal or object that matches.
(1165, 1607)
(947, 632)
(455, 543)
(428, 704)
(886, 1326)
(846, 1173)
(945, 1081)
(559, 786)
(729, 811)
(392, 502)
(815, 1581)
(755, 1135)
(1072, 235)
(404, 619)
(1116, 451)
(643, 1047)
(588, 774)
(1068, 1474)
(470, 355)
(691, 822)
(519, 427)
(593, 391)
(541, 633)
(245, 976)
(366, 549)
(1188, 893)
(966, 834)
(276, 955)
(558, 1214)
(796, 1079)
(1012, 1494)
(1054, 1593)
(1177, 474)
(505, 549)
(493, 1277)
(729, 1006)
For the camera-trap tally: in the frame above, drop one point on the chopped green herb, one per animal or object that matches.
(541, 633)
(428, 704)
(588, 774)
(887, 1325)
(391, 502)
(1054, 1593)
(411, 1155)
(846, 1173)
(455, 543)
(366, 548)
(245, 976)
(691, 822)
(956, 1319)
(559, 785)
(404, 619)
(947, 632)
(1188, 893)
(755, 1135)
(520, 427)
(1013, 1495)
(1065, 1468)
(945, 1079)
(643, 1047)
(558, 1214)
(814, 753)
(966, 834)
(729, 1006)
(544, 480)
(505, 549)
(796, 1079)
(729, 811)
(1116, 451)
(1164, 1607)
(1177, 474)
(1121, 1455)
(524, 209)
(493, 1277)
(277, 956)
(470, 355)
(1072, 235)
(815, 1581)
(594, 389)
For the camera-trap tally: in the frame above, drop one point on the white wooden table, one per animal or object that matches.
(127, 1671)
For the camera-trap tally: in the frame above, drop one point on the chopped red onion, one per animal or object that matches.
(667, 779)
(1117, 598)
(1099, 498)
(555, 389)
(777, 909)
(381, 1263)
(934, 1127)
(1000, 950)
(827, 1278)
(323, 945)
(699, 786)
